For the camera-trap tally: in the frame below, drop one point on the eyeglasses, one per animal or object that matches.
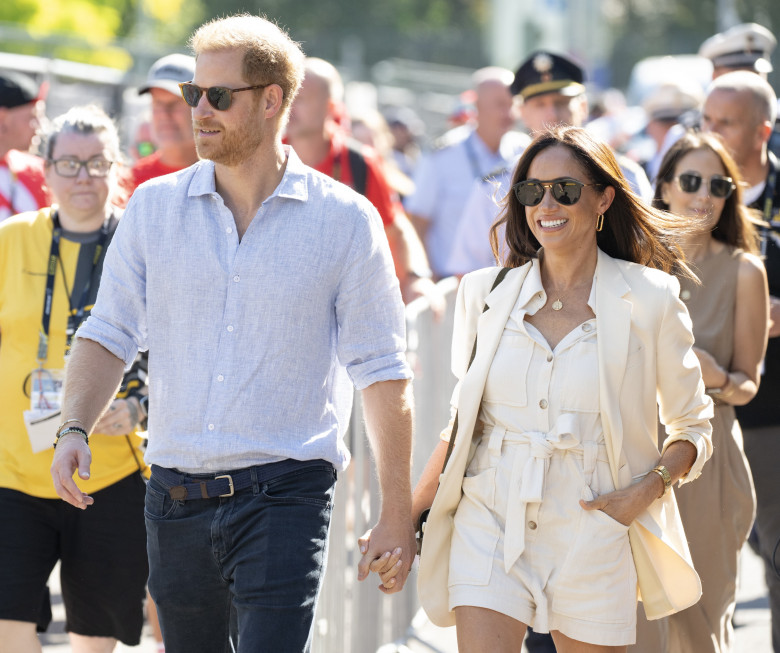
(97, 166)
(565, 191)
(219, 97)
(720, 186)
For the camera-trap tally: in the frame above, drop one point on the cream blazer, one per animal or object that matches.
(647, 368)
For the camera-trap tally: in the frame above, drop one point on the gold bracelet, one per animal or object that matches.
(666, 477)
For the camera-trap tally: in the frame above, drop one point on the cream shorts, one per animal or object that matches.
(575, 574)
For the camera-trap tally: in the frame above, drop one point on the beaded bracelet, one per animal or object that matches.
(71, 429)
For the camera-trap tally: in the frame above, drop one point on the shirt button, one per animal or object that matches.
(229, 230)
(532, 525)
(211, 427)
(230, 327)
(587, 327)
(220, 378)
(236, 278)
(543, 403)
(549, 358)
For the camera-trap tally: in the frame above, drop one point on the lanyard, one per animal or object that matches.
(76, 315)
(472, 156)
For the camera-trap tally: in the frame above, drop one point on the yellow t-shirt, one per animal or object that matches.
(25, 242)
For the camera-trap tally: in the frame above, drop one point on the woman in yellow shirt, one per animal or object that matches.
(50, 267)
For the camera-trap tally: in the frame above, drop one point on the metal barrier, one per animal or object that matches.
(355, 617)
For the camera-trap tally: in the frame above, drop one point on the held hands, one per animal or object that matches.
(389, 552)
(71, 454)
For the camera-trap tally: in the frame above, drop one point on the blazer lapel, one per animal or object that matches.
(613, 325)
(490, 326)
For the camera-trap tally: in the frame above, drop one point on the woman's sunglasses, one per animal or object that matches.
(720, 186)
(565, 191)
(219, 97)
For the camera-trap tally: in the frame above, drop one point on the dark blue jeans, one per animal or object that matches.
(251, 563)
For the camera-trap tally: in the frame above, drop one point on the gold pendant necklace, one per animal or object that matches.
(557, 305)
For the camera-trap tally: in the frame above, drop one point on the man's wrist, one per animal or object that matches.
(70, 430)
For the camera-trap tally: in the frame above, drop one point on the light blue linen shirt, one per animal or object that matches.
(254, 346)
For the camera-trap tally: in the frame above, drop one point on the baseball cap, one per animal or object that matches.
(743, 46)
(17, 89)
(166, 73)
(547, 72)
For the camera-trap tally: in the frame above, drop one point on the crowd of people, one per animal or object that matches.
(226, 287)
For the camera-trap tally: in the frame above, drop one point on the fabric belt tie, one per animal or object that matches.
(528, 478)
(184, 487)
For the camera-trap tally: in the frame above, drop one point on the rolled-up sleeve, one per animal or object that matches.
(369, 310)
(684, 407)
(118, 319)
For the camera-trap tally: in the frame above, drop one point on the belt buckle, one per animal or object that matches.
(230, 485)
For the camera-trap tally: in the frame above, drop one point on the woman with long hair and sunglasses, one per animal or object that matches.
(50, 267)
(555, 500)
(699, 183)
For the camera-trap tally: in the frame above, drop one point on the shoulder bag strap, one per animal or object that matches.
(501, 274)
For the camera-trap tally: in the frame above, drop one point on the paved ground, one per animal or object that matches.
(751, 621)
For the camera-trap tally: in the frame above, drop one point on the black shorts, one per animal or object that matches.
(102, 553)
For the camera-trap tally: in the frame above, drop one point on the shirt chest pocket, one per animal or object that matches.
(581, 378)
(507, 378)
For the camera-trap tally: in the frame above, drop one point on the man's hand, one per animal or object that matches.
(388, 549)
(121, 417)
(71, 454)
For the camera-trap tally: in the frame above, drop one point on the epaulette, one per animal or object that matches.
(494, 174)
(452, 137)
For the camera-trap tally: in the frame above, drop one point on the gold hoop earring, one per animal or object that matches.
(600, 222)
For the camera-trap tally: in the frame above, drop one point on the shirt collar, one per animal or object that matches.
(532, 295)
(293, 184)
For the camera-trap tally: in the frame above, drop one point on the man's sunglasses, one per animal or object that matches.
(219, 97)
(565, 191)
(720, 186)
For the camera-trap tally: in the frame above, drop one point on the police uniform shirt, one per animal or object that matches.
(443, 181)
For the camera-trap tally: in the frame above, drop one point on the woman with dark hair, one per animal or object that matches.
(555, 466)
(700, 184)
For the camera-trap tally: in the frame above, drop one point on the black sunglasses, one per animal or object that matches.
(720, 186)
(565, 191)
(219, 97)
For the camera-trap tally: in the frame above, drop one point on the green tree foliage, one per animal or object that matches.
(101, 32)
(443, 31)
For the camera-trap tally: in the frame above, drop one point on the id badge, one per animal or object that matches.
(41, 428)
(43, 417)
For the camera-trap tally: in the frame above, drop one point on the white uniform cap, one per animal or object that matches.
(743, 46)
(671, 100)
